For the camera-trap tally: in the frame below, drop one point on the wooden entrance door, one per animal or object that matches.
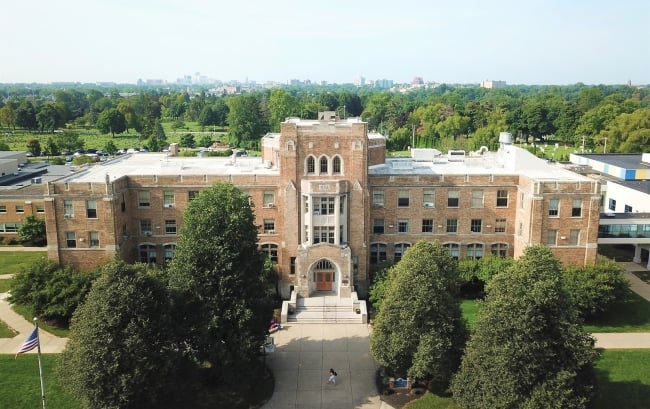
(324, 280)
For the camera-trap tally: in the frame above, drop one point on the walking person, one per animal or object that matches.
(332, 378)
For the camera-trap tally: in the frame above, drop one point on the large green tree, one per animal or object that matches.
(217, 275)
(111, 121)
(418, 331)
(528, 349)
(245, 119)
(122, 350)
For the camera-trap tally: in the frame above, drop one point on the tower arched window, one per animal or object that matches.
(475, 251)
(500, 249)
(311, 165)
(323, 165)
(336, 165)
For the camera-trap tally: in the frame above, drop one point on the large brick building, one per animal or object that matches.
(329, 204)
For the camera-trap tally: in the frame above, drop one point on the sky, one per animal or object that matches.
(460, 41)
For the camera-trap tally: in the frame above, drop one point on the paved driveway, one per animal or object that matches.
(301, 361)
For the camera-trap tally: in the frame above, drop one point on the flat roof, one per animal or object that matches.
(622, 160)
(137, 164)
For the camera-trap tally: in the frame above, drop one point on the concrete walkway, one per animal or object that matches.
(49, 342)
(301, 361)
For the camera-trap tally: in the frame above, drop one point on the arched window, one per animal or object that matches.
(271, 250)
(311, 165)
(323, 165)
(400, 249)
(148, 253)
(169, 251)
(377, 253)
(500, 249)
(475, 251)
(453, 249)
(336, 165)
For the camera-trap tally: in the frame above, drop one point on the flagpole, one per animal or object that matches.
(40, 365)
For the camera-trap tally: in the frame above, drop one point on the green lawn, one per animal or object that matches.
(6, 331)
(630, 315)
(643, 275)
(20, 386)
(5, 285)
(469, 309)
(12, 261)
(622, 377)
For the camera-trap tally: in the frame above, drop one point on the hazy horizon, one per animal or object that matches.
(463, 42)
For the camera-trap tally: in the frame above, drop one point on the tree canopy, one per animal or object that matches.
(122, 352)
(528, 349)
(223, 296)
(418, 331)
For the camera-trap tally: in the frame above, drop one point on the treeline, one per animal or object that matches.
(611, 118)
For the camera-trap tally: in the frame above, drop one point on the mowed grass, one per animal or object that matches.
(630, 315)
(6, 331)
(5, 285)
(622, 377)
(27, 312)
(11, 262)
(469, 308)
(20, 386)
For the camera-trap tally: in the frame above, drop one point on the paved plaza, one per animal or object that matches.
(303, 355)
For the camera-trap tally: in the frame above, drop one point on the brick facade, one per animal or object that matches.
(329, 205)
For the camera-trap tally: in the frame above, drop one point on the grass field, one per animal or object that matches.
(622, 377)
(469, 309)
(5, 285)
(643, 275)
(630, 315)
(12, 261)
(20, 386)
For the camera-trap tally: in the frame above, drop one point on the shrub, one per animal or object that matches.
(594, 288)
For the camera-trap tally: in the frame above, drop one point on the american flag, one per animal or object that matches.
(30, 343)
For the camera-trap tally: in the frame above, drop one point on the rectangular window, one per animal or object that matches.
(145, 227)
(427, 225)
(3, 208)
(269, 199)
(170, 226)
(551, 237)
(292, 265)
(91, 209)
(477, 199)
(70, 239)
(378, 226)
(520, 229)
(476, 225)
(452, 225)
(554, 207)
(612, 205)
(576, 210)
(574, 237)
(168, 199)
(68, 211)
(502, 198)
(144, 198)
(453, 197)
(324, 205)
(403, 198)
(9, 227)
(628, 209)
(93, 239)
(429, 199)
(378, 198)
(40, 209)
(269, 226)
(500, 226)
(521, 201)
(20, 209)
(192, 194)
(403, 226)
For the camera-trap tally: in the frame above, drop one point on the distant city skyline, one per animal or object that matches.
(467, 41)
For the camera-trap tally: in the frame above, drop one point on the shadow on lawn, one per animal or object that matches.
(620, 394)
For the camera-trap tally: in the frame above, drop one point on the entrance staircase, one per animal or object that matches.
(326, 309)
